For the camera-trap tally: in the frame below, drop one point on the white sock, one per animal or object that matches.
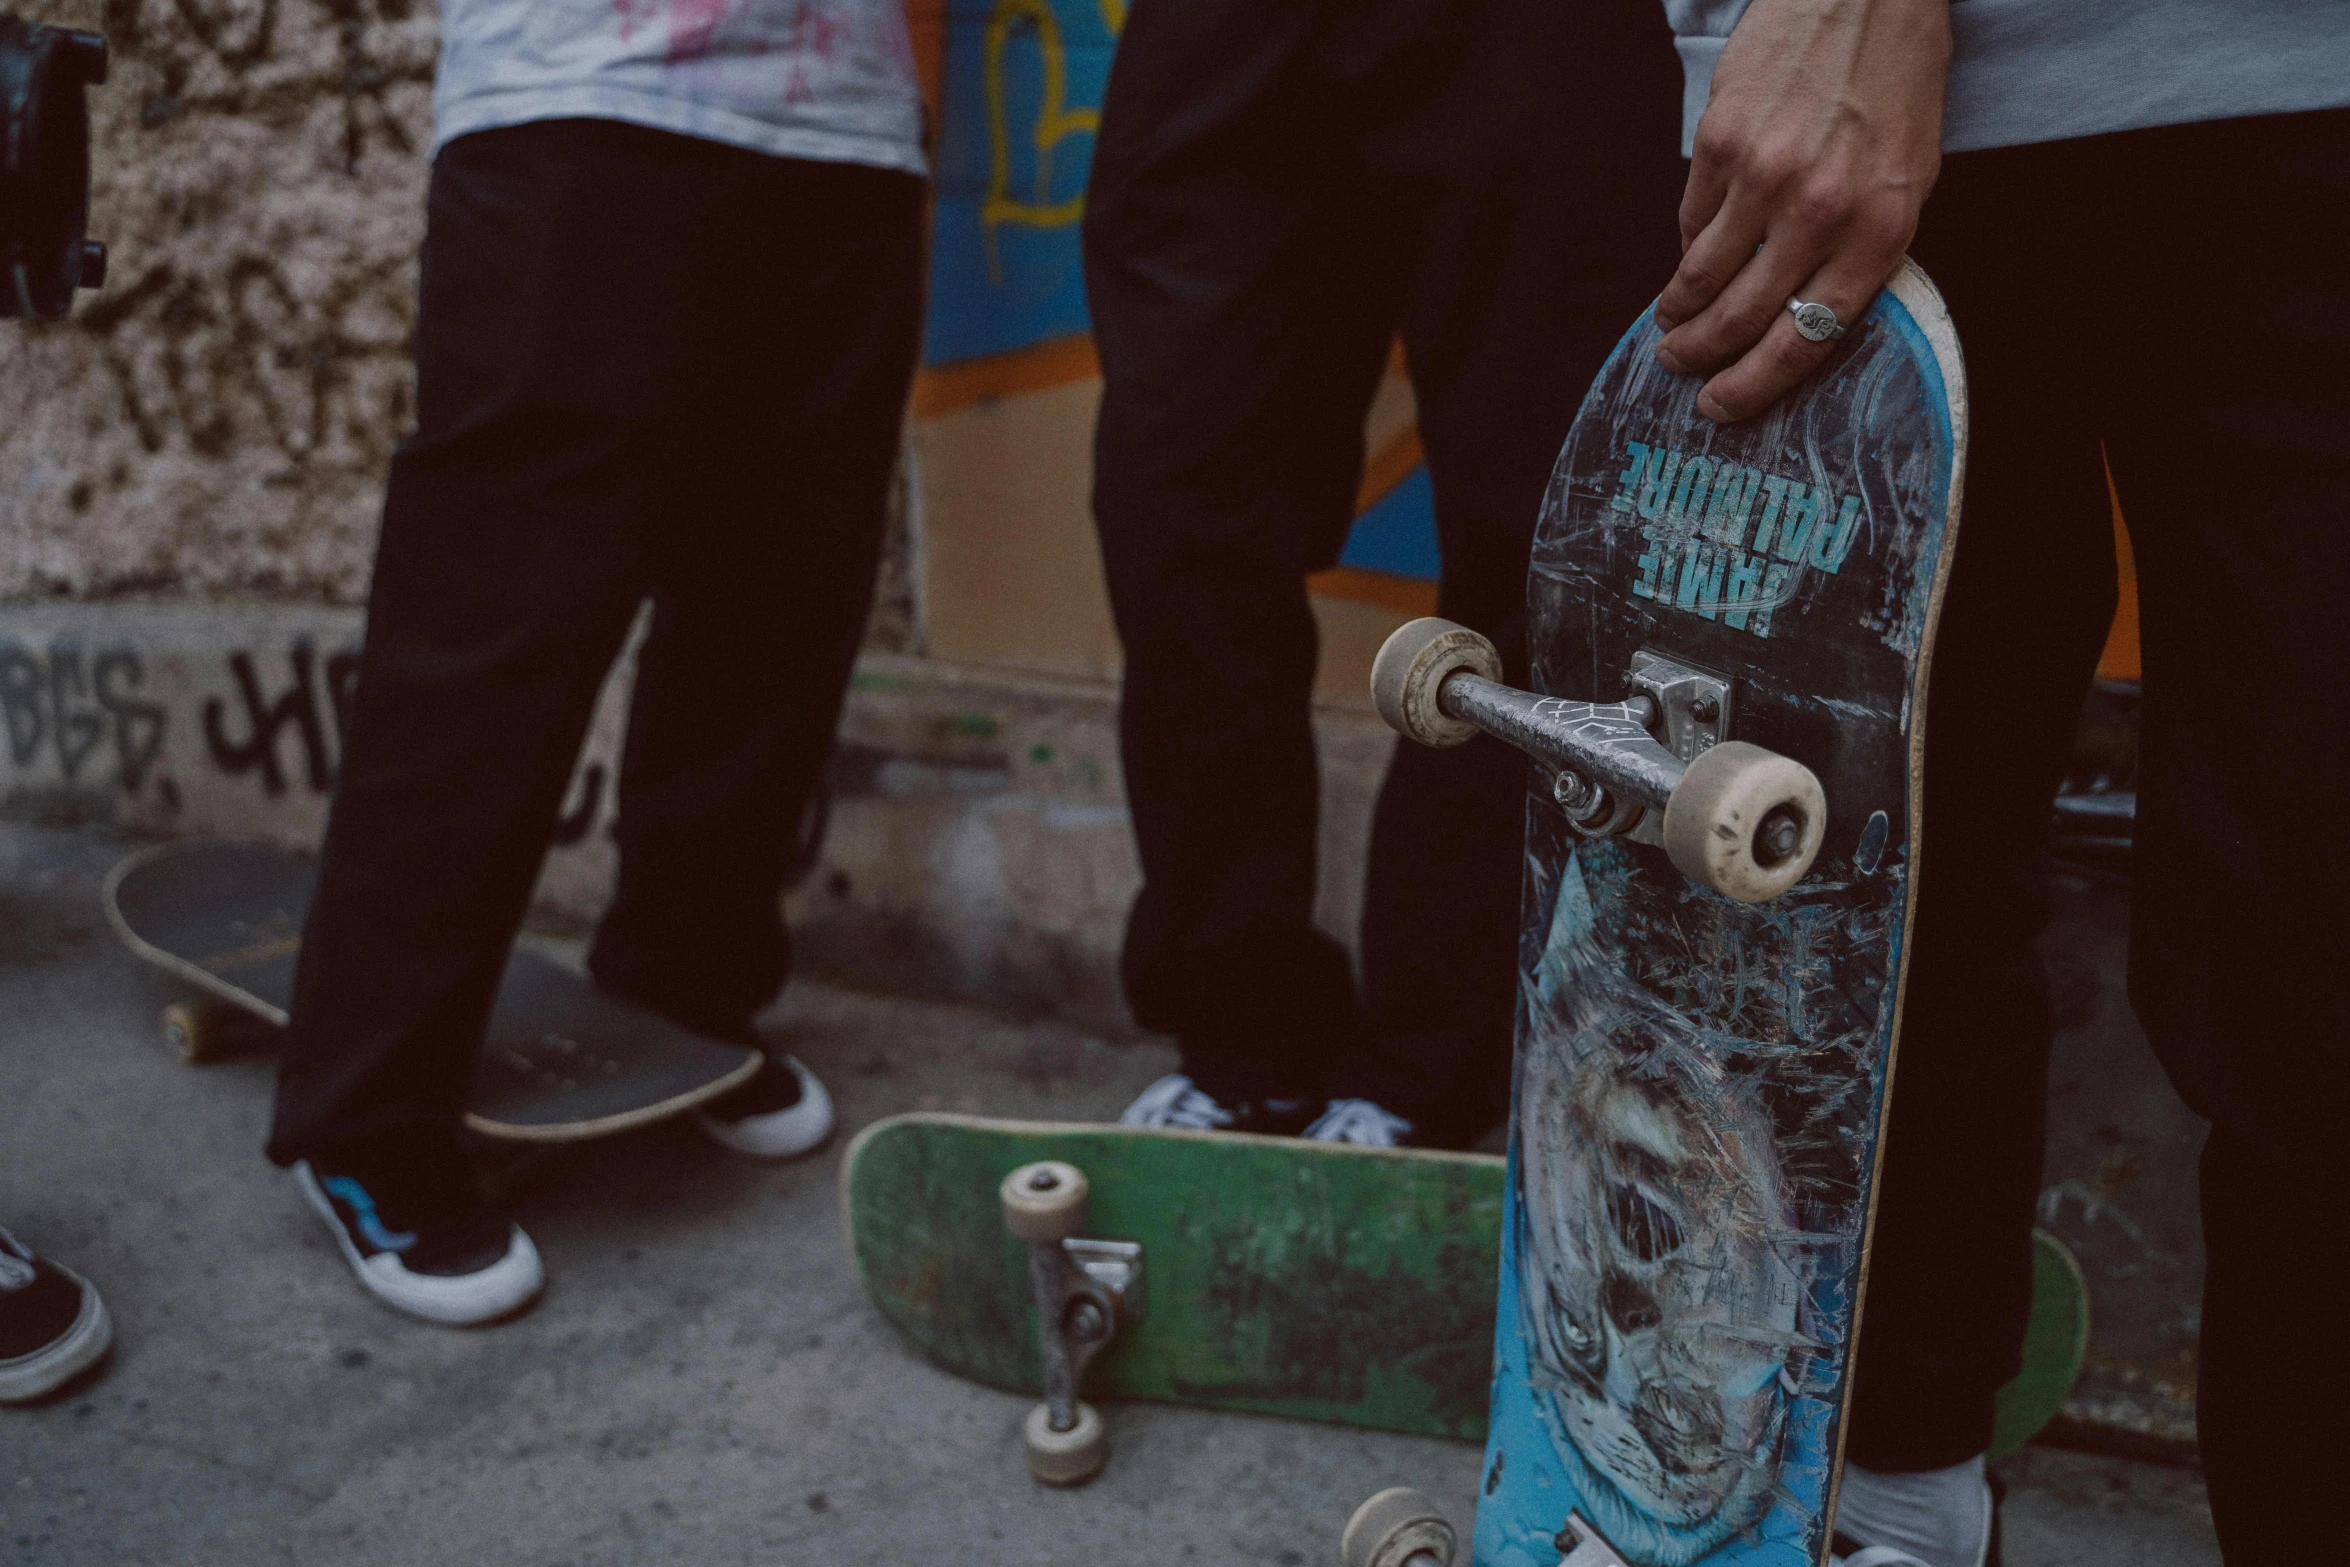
(1940, 1516)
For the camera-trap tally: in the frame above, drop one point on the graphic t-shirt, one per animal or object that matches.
(831, 80)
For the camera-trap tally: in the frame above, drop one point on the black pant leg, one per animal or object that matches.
(2230, 327)
(1538, 246)
(561, 275)
(755, 625)
(2030, 596)
(1241, 317)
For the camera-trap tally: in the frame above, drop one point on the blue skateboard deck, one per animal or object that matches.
(1701, 1084)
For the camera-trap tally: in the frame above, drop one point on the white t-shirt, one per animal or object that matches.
(831, 80)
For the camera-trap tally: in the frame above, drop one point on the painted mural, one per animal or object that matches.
(1016, 86)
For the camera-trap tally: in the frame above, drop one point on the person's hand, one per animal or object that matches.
(1818, 146)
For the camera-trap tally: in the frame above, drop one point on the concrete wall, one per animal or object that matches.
(216, 421)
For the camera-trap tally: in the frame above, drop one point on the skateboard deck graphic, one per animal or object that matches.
(1701, 1082)
(560, 1061)
(1277, 1276)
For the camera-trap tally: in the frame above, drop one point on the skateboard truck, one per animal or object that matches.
(1654, 767)
(1080, 1286)
(1401, 1527)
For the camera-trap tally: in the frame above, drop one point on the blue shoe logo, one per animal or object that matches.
(362, 1208)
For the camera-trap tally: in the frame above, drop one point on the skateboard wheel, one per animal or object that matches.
(1069, 1457)
(1044, 1201)
(1745, 821)
(1398, 1528)
(193, 1032)
(1412, 666)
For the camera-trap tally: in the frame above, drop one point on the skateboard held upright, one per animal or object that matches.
(1730, 628)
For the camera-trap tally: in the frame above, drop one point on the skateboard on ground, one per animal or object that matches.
(1730, 628)
(1317, 1281)
(561, 1061)
(1228, 1271)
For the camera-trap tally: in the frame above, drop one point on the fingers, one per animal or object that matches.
(1712, 256)
(1781, 358)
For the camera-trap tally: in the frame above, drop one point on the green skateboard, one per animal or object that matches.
(1270, 1275)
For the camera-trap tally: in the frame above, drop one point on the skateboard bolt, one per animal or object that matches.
(1780, 835)
(1704, 709)
(1085, 1322)
(1043, 1181)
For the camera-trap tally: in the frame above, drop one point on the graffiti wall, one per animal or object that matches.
(225, 721)
(218, 418)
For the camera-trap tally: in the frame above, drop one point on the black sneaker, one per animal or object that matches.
(53, 1326)
(1177, 1103)
(421, 1242)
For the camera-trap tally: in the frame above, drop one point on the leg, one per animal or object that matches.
(552, 372)
(2234, 466)
(2030, 596)
(1241, 329)
(757, 615)
(1535, 253)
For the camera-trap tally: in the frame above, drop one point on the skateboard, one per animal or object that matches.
(560, 1062)
(1730, 630)
(1228, 1271)
(1321, 1282)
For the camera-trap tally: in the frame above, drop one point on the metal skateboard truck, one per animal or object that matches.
(45, 167)
(1655, 767)
(1081, 1288)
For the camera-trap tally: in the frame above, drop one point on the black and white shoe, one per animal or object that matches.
(433, 1248)
(1361, 1122)
(53, 1326)
(781, 1113)
(1176, 1103)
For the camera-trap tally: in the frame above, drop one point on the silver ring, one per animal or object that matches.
(1814, 321)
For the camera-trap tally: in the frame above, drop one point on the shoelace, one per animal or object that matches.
(1174, 1101)
(16, 1263)
(1360, 1121)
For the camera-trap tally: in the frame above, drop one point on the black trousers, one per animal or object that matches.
(1279, 188)
(648, 366)
(2179, 296)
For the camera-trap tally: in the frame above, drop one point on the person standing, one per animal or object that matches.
(669, 313)
(1280, 188)
(2135, 220)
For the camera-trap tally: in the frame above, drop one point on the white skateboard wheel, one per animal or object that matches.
(1044, 1201)
(193, 1032)
(1069, 1457)
(1745, 821)
(1395, 1527)
(1413, 664)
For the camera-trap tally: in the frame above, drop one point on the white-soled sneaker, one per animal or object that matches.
(438, 1251)
(1361, 1122)
(1176, 1103)
(1929, 1518)
(781, 1113)
(53, 1326)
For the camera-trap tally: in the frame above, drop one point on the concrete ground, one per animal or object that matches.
(702, 1383)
